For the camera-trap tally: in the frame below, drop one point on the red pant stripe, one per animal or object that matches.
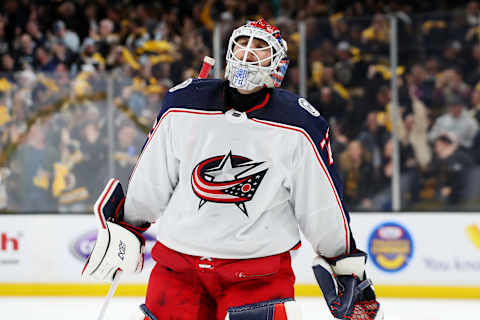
(280, 313)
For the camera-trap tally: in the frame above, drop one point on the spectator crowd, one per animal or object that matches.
(82, 81)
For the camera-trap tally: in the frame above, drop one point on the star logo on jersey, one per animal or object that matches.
(230, 179)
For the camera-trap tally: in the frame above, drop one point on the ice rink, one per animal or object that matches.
(313, 309)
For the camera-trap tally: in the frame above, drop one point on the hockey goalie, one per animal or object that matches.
(231, 172)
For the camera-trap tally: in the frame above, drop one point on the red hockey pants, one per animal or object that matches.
(185, 287)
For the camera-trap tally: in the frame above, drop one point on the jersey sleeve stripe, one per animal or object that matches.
(99, 204)
(327, 174)
(170, 111)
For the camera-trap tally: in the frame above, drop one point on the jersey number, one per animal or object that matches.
(326, 143)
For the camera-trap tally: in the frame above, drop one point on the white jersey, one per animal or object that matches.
(238, 184)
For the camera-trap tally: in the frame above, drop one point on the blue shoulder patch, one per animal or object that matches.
(290, 109)
(199, 94)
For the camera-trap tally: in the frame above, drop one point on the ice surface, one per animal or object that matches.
(313, 309)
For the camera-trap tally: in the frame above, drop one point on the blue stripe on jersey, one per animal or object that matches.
(201, 94)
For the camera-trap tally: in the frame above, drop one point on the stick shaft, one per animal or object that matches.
(111, 292)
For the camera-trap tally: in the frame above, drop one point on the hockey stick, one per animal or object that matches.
(207, 65)
(111, 292)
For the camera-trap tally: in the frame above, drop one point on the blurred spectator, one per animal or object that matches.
(452, 167)
(138, 35)
(105, 38)
(449, 83)
(89, 56)
(23, 103)
(339, 138)
(349, 68)
(7, 67)
(409, 179)
(90, 20)
(61, 54)
(4, 46)
(378, 104)
(356, 172)
(413, 133)
(331, 98)
(476, 146)
(329, 103)
(377, 36)
(433, 32)
(451, 56)
(456, 121)
(432, 68)
(37, 35)
(422, 86)
(457, 30)
(25, 52)
(472, 13)
(67, 12)
(340, 29)
(34, 172)
(373, 137)
(472, 74)
(475, 103)
(44, 60)
(126, 153)
(76, 189)
(65, 36)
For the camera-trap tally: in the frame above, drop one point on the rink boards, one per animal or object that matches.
(410, 255)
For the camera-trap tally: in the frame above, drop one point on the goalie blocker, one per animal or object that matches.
(349, 295)
(119, 245)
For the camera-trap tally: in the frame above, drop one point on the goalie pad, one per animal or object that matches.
(119, 245)
(348, 293)
(148, 315)
(281, 309)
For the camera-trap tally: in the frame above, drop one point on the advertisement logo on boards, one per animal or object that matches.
(9, 248)
(390, 247)
(83, 245)
(473, 233)
(461, 259)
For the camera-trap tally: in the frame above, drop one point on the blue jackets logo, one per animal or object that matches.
(390, 247)
(228, 179)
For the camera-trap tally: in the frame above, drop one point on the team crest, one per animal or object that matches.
(229, 179)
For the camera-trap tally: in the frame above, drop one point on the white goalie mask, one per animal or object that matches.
(269, 71)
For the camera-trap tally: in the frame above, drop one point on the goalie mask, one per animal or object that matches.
(248, 66)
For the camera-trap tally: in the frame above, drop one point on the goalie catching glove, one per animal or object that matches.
(119, 245)
(349, 295)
